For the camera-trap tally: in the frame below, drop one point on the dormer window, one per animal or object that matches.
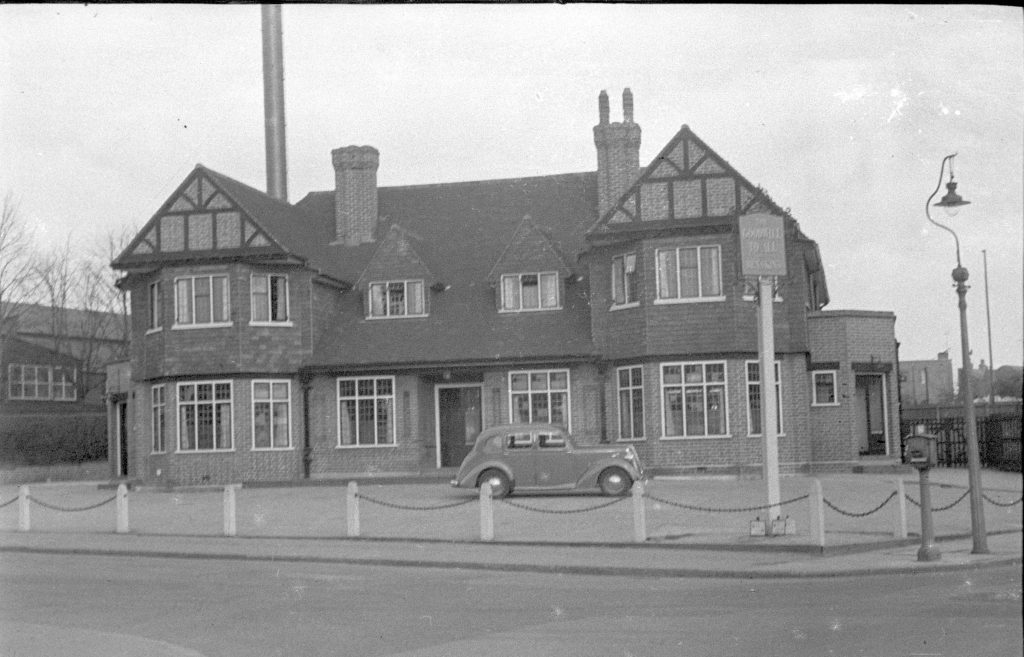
(624, 280)
(397, 299)
(524, 292)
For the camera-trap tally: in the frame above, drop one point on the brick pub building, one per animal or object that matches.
(374, 330)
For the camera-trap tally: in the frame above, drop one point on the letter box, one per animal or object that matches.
(920, 450)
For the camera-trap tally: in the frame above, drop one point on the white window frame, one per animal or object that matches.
(193, 324)
(390, 403)
(835, 388)
(386, 309)
(631, 389)
(52, 388)
(626, 277)
(215, 403)
(678, 298)
(269, 278)
(704, 385)
(547, 390)
(158, 417)
(272, 401)
(155, 307)
(751, 385)
(513, 283)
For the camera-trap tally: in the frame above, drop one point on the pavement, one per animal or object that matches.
(696, 527)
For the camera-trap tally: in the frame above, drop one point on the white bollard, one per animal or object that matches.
(817, 514)
(639, 514)
(24, 517)
(352, 509)
(122, 509)
(230, 526)
(900, 515)
(486, 513)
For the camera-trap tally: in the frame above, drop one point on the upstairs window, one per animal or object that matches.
(155, 303)
(269, 294)
(520, 292)
(201, 301)
(41, 383)
(624, 280)
(397, 299)
(690, 274)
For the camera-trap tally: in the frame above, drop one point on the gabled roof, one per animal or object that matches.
(530, 249)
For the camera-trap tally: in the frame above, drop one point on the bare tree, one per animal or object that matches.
(17, 281)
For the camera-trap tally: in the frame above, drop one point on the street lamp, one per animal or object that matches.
(952, 202)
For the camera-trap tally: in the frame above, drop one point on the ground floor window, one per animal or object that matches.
(158, 409)
(204, 416)
(824, 389)
(754, 398)
(631, 402)
(366, 411)
(539, 396)
(694, 400)
(271, 413)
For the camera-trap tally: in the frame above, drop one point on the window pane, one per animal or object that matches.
(625, 414)
(549, 290)
(672, 374)
(260, 302)
(715, 372)
(281, 424)
(261, 425)
(346, 388)
(710, 276)
(673, 412)
(688, 276)
(693, 373)
(204, 426)
(539, 381)
(396, 298)
(667, 282)
(716, 410)
(414, 289)
(187, 424)
(618, 285)
(183, 301)
(202, 300)
(377, 308)
(623, 378)
(539, 408)
(510, 292)
(521, 408)
(279, 298)
(221, 312)
(383, 386)
(520, 381)
(559, 380)
(347, 410)
(694, 411)
(638, 413)
(385, 428)
(637, 376)
(531, 294)
(261, 391)
(280, 391)
(559, 404)
(754, 395)
(824, 388)
(367, 422)
(223, 426)
(631, 279)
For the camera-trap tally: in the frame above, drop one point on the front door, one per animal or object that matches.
(122, 439)
(459, 422)
(869, 410)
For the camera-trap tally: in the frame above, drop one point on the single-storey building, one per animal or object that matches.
(369, 329)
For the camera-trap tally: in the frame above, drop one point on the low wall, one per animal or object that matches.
(90, 471)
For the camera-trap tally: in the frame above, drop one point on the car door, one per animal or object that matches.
(554, 460)
(519, 456)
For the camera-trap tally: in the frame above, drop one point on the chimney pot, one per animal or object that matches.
(627, 105)
(602, 107)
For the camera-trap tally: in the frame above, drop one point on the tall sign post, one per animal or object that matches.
(763, 255)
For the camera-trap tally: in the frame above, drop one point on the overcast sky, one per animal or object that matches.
(843, 113)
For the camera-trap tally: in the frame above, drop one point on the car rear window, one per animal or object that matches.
(519, 441)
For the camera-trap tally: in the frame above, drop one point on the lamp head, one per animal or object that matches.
(951, 202)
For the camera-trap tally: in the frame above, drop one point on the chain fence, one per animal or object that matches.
(527, 507)
(941, 508)
(409, 507)
(9, 502)
(853, 514)
(54, 507)
(1003, 504)
(745, 509)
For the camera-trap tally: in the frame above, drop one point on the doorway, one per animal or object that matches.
(122, 439)
(870, 415)
(459, 422)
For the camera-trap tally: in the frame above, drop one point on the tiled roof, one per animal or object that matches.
(462, 229)
(36, 319)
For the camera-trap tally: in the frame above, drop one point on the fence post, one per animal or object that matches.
(352, 509)
(900, 515)
(817, 508)
(639, 514)
(24, 518)
(486, 513)
(230, 528)
(122, 509)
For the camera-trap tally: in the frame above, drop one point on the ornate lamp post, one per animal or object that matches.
(952, 202)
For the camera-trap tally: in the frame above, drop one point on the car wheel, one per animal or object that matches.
(614, 481)
(498, 480)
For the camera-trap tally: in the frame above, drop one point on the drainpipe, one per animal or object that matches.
(307, 447)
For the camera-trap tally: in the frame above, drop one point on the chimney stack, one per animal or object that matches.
(355, 194)
(273, 103)
(618, 151)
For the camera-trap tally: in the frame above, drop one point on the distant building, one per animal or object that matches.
(927, 382)
(378, 330)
